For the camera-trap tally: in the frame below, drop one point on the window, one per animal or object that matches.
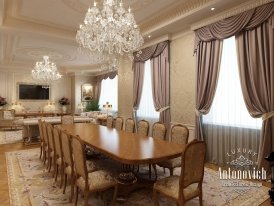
(146, 108)
(109, 93)
(228, 108)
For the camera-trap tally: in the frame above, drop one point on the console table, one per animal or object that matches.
(39, 114)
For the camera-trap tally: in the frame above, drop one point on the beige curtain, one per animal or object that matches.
(207, 68)
(256, 63)
(99, 79)
(161, 85)
(207, 64)
(160, 61)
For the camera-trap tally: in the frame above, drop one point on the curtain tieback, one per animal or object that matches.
(267, 115)
(163, 109)
(197, 112)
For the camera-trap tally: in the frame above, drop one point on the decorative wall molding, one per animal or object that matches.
(231, 12)
(173, 14)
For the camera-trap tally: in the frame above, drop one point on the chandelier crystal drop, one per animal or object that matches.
(45, 71)
(110, 30)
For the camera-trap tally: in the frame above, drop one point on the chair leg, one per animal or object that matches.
(50, 163)
(65, 185)
(76, 199)
(41, 151)
(155, 198)
(150, 171)
(72, 183)
(86, 198)
(62, 175)
(155, 171)
(56, 172)
(171, 171)
(114, 195)
(201, 197)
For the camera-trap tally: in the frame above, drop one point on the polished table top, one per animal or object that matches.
(125, 147)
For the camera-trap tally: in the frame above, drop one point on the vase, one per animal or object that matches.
(64, 109)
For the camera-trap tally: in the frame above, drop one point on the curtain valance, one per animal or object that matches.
(110, 75)
(150, 52)
(230, 26)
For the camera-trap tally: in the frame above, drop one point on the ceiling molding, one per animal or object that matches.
(156, 41)
(174, 13)
(13, 11)
(231, 12)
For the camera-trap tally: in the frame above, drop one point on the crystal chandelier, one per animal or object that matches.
(111, 30)
(45, 71)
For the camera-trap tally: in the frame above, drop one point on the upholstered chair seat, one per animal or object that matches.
(170, 186)
(67, 119)
(97, 180)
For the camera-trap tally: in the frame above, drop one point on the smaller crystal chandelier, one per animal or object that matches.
(111, 30)
(45, 71)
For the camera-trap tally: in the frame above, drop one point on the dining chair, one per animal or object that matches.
(68, 162)
(51, 149)
(119, 123)
(42, 141)
(109, 121)
(143, 127)
(46, 141)
(89, 182)
(179, 134)
(158, 131)
(129, 125)
(189, 184)
(8, 119)
(58, 155)
(67, 119)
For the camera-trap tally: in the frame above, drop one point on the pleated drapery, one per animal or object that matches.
(99, 79)
(159, 55)
(256, 65)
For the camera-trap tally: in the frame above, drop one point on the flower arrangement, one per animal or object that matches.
(2, 101)
(64, 101)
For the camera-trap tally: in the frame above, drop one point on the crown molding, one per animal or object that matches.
(156, 41)
(174, 13)
(181, 34)
(231, 12)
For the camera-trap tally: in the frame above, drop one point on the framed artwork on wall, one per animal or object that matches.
(87, 92)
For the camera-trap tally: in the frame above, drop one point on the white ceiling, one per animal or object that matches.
(30, 29)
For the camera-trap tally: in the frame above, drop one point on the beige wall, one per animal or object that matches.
(125, 88)
(77, 82)
(8, 89)
(182, 66)
(182, 86)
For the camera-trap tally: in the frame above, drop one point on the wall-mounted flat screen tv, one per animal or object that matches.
(33, 92)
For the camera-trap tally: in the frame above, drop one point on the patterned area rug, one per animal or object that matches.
(31, 184)
(11, 136)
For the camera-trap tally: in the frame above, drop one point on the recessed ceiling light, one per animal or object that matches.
(149, 36)
(212, 8)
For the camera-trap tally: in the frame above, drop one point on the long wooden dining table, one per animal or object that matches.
(125, 147)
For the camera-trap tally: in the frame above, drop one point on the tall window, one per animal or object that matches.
(109, 93)
(228, 106)
(228, 126)
(146, 108)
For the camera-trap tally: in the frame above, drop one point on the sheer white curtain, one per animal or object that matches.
(146, 108)
(228, 126)
(109, 93)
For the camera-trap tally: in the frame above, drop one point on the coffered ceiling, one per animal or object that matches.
(30, 29)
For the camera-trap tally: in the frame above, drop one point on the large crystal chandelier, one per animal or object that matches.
(45, 71)
(111, 30)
